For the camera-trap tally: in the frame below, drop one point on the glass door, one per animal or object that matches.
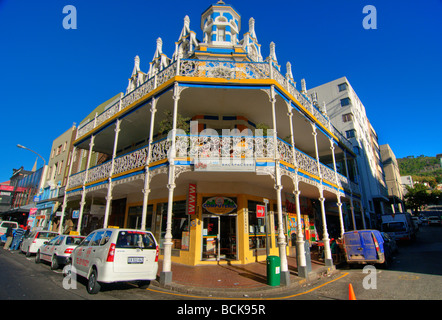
(211, 232)
(228, 247)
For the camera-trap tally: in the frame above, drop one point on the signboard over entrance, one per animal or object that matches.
(219, 205)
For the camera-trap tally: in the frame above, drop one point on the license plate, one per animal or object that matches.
(135, 260)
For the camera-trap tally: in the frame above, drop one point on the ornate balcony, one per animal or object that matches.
(208, 69)
(195, 148)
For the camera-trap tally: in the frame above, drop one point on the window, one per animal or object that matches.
(342, 87)
(221, 34)
(345, 102)
(135, 215)
(257, 228)
(135, 239)
(97, 238)
(87, 240)
(347, 117)
(180, 223)
(350, 134)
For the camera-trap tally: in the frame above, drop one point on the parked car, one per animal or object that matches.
(424, 219)
(4, 226)
(390, 245)
(399, 225)
(365, 247)
(434, 221)
(113, 255)
(35, 240)
(417, 221)
(58, 250)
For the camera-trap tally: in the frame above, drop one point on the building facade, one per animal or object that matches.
(54, 182)
(202, 140)
(347, 113)
(393, 179)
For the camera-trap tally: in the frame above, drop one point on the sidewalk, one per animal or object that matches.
(227, 280)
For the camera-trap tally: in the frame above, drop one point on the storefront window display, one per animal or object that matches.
(135, 215)
(180, 224)
(257, 227)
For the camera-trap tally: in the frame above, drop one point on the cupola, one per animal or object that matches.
(221, 25)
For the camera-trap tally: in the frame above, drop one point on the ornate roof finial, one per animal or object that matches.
(273, 51)
(289, 74)
(252, 27)
(220, 2)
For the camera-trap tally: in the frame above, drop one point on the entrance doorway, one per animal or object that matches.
(219, 237)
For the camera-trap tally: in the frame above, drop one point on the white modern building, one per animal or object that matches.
(342, 105)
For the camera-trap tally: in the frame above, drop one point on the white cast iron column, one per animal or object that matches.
(111, 172)
(83, 195)
(166, 274)
(146, 189)
(300, 252)
(327, 252)
(285, 274)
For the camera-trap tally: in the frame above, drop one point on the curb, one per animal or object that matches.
(245, 293)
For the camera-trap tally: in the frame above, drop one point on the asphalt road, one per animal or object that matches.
(415, 274)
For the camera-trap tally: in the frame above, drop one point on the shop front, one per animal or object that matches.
(222, 228)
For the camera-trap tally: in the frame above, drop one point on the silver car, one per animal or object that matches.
(58, 250)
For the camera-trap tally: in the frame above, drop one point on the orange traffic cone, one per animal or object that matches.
(351, 293)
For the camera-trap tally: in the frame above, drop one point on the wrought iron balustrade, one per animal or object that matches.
(192, 147)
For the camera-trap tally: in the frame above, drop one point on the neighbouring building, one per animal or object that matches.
(392, 178)
(246, 138)
(55, 181)
(24, 185)
(347, 113)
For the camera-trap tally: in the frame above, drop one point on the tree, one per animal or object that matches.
(417, 196)
(166, 124)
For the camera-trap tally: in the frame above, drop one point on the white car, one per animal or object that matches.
(113, 255)
(33, 241)
(58, 250)
(434, 220)
(4, 226)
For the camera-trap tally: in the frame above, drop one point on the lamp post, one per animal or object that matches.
(23, 147)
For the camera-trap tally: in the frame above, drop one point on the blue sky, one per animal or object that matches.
(51, 77)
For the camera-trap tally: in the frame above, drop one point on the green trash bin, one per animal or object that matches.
(273, 271)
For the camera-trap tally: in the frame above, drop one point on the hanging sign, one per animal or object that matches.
(260, 211)
(219, 205)
(191, 200)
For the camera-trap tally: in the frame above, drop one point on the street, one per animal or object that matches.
(415, 274)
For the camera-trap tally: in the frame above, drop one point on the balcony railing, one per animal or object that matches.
(229, 70)
(224, 148)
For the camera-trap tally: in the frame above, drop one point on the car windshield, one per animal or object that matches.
(135, 239)
(9, 224)
(46, 235)
(393, 227)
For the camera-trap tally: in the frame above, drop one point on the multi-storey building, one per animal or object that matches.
(55, 181)
(202, 139)
(392, 178)
(347, 113)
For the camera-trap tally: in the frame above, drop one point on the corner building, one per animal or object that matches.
(202, 138)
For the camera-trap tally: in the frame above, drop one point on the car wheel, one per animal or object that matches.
(93, 287)
(54, 263)
(143, 284)
(37, 257)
